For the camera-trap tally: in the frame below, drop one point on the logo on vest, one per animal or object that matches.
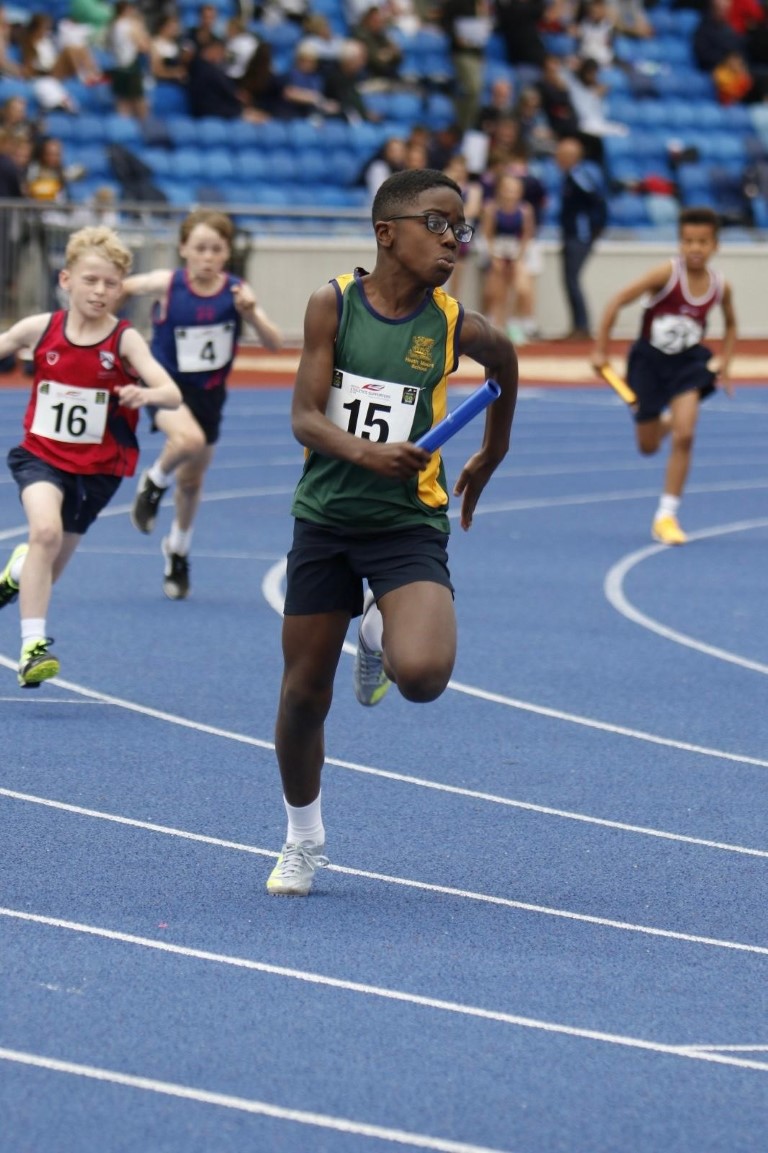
(419, 355)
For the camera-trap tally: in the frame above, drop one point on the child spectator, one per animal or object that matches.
(507, 225)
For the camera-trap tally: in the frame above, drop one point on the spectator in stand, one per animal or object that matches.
(321, 36)
(556, 99)
(46, 177)
(507, 225)
(750, 19)
(631, 19)
(596, 33)
(472, 195)
(344, 85)
(469, 26)
(518, 22)
(416, 152)
(734, 83)
(45, 66)
(561, 16)
(74, 37)
(15, 119)
(205, 30)
(8, 66)
(389, 158)
(11, 188)
(508, 156)
(211, 92)
(535, 131)
(304, 89)
(168, 57)
(129, 41)
(721, 51)
(96, 13)
(384, 54)
(588, 99)
(583, 215)
(714, 38)
(500, 104)
(261, 88)
(241, 44)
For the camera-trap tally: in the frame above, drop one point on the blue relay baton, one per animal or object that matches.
(467, 410)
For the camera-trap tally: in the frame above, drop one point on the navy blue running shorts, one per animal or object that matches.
(326, 566)
(656, 377)
(206, 405)
(84, 496)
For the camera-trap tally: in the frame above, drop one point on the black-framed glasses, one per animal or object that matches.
(439, 225)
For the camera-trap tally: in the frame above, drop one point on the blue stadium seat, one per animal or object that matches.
(87, 129)
(122, 130)
(628, 210)
(252, 165)
(182, 130)
(219, 163)
(189, 164)
(213, 132)
(662, 210)
(168, 99)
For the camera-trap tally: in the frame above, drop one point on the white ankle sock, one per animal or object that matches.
(16, 567)
(32, 628)
(668, 505)
(372, 629)
(158, 477)
(305, 823)
(178, 541)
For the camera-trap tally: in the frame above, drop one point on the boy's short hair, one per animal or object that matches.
(400, 190)
(699, 215)
(218, 221)
(101, 240)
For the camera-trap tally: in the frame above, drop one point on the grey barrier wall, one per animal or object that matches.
(285, 260)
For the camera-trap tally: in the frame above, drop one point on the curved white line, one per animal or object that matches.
(272, 590)
(614, 591)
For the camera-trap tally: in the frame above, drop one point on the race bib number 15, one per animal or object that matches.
(372, 409)
(66, 413)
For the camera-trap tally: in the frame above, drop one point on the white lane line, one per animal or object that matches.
(272, 589)
(434, 1003)
(403, 882)
(244, 1104)
(617, 598)
(454, 790)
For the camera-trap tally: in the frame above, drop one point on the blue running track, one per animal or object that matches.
(544, 926)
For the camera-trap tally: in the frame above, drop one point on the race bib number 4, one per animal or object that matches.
(73, 415)
(372, 409)
(204, 349)
(673, 334)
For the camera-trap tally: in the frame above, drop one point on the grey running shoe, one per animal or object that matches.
(146, 503)
(369, 679)
(36, 664)
(294, 872)
(9, 590)
(176, 575)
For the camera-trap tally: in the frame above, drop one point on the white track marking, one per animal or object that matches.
(273, 594)
(421, 782)
(403, 882)
(244, 1104)
(614, 592)
(434, 1003)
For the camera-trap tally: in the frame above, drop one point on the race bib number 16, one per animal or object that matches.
(66, 413)
(372, 409)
